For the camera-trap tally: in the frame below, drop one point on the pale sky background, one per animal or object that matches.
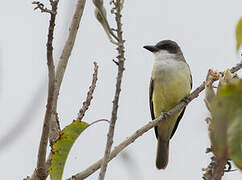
(203, 29)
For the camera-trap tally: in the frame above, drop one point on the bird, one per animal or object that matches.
(170, 83)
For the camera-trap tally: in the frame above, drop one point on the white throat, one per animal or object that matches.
(168, 62)
(164, 55)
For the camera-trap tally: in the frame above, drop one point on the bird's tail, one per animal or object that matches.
(162, 154)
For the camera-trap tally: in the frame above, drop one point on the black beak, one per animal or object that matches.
(151, 48)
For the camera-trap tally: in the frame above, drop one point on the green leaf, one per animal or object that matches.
(239, 34)
(218, 127)
(226, 124)
(62, 147)
(235, 140)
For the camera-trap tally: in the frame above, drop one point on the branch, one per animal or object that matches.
(94, 167)
(121, 60)
(66, 52)
(215, 169)
(86, 103)
(236, 68)
(41, 168)
(51, 124)
(219, 169)
(42, 8)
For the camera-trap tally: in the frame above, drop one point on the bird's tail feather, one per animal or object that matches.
(162, 154)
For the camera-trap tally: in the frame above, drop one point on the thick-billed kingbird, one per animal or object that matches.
(171, 81)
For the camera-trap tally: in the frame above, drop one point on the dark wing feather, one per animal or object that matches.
(177, 122)
(150, 98)
(180, 116)
(151, 104)
(191, 80)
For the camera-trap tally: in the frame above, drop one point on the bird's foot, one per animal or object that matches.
(186, 100)
(165, 115)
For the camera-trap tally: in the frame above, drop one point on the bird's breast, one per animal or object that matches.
(171, 84)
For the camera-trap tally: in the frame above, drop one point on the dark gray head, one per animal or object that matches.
(168, 45)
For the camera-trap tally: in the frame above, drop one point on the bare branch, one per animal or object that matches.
(41, 168)
(215, 169)
(236, 68)
(97, 121)
(51, 125)
(86, 103)
(94, 167)
(66, 52)
(121, 60)
(42, 8)
(219, 169)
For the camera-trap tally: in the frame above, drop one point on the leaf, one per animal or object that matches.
(218, 127)
(239, 34)
(62, 147)
(235, 140)
(226, 124)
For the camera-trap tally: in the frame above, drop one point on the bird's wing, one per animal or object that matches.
(191, 80)
(180, 116)
(151, 104)
(177, 122)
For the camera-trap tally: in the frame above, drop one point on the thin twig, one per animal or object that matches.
(97, 121)
(94, 167)
(121, 60)
(42, 8)
(41, 168)
(87, 102)
(236, 68)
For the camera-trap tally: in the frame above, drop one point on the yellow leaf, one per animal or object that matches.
(239, 34)
(62, 147)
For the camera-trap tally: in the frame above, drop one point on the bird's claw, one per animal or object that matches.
(186, 100)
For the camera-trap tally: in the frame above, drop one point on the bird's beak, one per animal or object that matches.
(151, 48)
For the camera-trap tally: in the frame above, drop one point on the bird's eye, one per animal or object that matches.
(169, 47)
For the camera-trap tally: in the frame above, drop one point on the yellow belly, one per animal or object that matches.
(166, 95)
